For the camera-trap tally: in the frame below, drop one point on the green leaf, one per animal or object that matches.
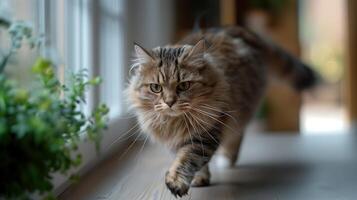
(42, 126)
(41, 66)
(95, 81)
(21, 96)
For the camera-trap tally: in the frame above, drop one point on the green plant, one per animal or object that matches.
(40, 128)
(19, 32)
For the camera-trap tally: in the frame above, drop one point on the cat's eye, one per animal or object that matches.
(184, 86)
(155, 88)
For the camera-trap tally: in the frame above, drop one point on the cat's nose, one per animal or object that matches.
(170, 102)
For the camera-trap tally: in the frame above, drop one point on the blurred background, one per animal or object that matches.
(98, 35)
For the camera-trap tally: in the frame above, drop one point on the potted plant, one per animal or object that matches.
(41, 126)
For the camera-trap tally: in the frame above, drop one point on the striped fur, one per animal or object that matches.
(224, 76)
(190, 159)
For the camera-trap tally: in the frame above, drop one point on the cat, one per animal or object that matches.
(198, 96)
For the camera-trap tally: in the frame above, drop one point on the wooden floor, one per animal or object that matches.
(271, 166)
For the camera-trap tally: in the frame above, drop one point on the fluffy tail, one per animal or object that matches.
(290, 68)
(283, 64)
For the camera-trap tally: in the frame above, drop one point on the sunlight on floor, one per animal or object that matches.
(323, 119)
(323, 46)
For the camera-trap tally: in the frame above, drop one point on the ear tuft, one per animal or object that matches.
(199, 48)
(141, 52)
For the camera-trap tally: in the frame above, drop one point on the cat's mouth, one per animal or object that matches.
(173, 111)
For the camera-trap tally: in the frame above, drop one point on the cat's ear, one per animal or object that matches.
(195, 56)
(199, 48)
(142, 53)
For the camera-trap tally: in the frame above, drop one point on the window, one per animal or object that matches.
(81, 34)
(86, 34)
(24, 10)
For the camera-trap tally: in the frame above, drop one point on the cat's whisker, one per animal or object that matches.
(130, 146)
(128, 134)
(215, 119)
(142, 147)
(217, 110)
(207, 113)
(188, 128)
(205, 130)
(196, 131)
(125, 134)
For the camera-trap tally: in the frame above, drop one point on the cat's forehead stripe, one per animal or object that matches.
(163, 74)
(169, 54)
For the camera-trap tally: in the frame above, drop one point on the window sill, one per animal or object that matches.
(90, 157)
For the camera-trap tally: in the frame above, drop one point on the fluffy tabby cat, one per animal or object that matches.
(198, 95)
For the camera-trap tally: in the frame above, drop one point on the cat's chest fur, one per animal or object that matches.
(171, 131)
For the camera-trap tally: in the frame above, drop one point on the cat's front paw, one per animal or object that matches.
(176, 183)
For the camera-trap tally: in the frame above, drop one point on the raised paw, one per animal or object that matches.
(177, 184)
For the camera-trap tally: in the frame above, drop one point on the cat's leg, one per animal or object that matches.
(202, 177)
(229, 149)
(231, 143)
(189, 160)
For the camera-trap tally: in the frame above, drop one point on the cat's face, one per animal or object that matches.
(172, 81)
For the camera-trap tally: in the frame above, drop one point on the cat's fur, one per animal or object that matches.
(227, 71)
